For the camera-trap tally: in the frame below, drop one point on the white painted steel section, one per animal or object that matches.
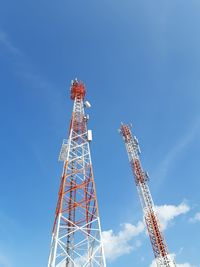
(77, 244)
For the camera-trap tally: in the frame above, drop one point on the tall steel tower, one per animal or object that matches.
(159, 245)
(76, 238)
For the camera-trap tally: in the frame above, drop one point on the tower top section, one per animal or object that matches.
(77, 89)
(125, 131)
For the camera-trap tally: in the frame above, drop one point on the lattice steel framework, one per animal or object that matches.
(76, 238)
(162, 256)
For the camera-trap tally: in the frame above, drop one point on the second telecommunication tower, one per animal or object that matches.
(158, 242)
(76, 237)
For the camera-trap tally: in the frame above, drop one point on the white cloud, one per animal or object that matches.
(196, 218)
(119, 244)
(153, 264)
(185, 265)
(167, 213)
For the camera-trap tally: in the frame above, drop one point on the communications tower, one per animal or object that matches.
(157, 239)
(76, 237)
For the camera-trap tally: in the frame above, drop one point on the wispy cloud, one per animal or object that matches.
(6, 42)
(23, 69)
(126, 240)
(176, 150)
(8, 228)
(28, 76)
(4, 262)
(196, 218)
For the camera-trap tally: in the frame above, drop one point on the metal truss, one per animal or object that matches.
(76, 238)
(162, 256)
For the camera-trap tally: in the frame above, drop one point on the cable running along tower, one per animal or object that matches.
(76, 238)
(158, 243)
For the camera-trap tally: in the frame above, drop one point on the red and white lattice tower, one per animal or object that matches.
(162, 256)
(76, 238)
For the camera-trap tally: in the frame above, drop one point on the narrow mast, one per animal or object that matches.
(158, 242)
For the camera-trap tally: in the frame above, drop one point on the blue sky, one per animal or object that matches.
(140, 61)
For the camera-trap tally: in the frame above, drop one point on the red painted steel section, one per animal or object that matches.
(77, 90)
